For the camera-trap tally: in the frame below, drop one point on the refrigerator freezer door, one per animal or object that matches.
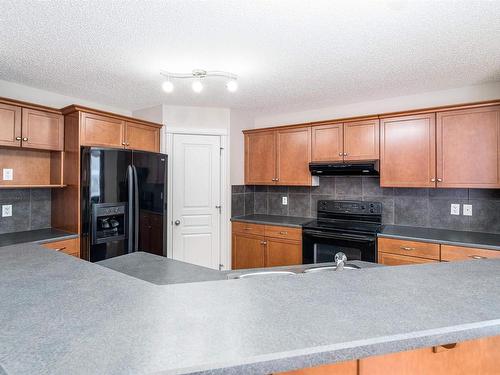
(150, 208)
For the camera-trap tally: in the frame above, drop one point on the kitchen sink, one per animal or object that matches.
(264, 274)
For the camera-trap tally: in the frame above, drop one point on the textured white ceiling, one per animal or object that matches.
(288, 54)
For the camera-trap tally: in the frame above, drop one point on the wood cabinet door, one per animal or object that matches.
(468, 143)
(280, 252)
(361, 140)
(260, 158)
(399, 260)
(70, 247)
(42, 130)
(408, 151)
(480, 356)
(293, 150)
(247, 251)
(327, 142)
(10, 125)
(97, 130)
(142, 137)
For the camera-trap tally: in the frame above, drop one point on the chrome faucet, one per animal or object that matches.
(340, 259)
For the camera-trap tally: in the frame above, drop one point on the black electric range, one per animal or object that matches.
(350, 227)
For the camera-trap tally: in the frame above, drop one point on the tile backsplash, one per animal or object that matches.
(401, 206)
(31, 209)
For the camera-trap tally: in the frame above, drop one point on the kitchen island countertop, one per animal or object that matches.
(81, 318)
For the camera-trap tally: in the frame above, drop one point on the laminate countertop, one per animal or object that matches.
(443, 236)
(63, 315)
(35, 236)
(286, 221)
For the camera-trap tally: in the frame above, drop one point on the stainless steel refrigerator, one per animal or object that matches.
(123, 202)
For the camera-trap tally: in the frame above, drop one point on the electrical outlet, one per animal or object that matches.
(455, 209)
(467, 209)
(6, 210)
(8, 174)
(284, 201)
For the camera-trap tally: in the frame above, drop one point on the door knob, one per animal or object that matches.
(25, 139)
(177, 222)
(18, 138)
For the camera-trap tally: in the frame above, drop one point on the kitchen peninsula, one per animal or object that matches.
(78, 317)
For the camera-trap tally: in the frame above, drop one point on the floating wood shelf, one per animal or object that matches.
(31, 186)
(32, 168)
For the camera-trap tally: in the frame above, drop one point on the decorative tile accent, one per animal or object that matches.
(401, 206)
(31, 209)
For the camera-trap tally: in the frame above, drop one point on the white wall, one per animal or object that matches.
(186, 117)
(153, 114)
(476, 93)
(239, 120)
(33, 95)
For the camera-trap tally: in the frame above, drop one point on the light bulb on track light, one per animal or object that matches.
(197, 86)
(167, 86)
(232, 85)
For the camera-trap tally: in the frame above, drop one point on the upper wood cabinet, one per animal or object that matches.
(278, 157)
(328, 142)
(10, 125)
(260, 158)
(361, 140)
(408, 151)
(293, 153)
(142, 137)
(108, 131)
(98, 130)
(468, 148)
(350, 141)
(42, 130)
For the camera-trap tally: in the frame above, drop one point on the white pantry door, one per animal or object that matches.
(196, 199)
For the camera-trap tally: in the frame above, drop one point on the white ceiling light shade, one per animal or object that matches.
(197, 75)
(197, 86)
(232, 85)
(167, 86)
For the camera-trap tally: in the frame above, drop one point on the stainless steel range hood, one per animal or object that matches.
(366, 168)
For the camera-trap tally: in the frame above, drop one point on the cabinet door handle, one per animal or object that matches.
(61, 248)
(407, 248)
(345, 153)
(263, 242)
(340, 154)
(124, 143)
(440, 348)
(25, 139)
(477, 257)
(433, 180)
(18, 138)
(440, 179)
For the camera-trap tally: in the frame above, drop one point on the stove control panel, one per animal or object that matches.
(350, 207)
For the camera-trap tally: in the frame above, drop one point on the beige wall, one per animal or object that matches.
(17, 91)
(428, 99)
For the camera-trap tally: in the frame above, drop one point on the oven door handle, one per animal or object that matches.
(339, 236)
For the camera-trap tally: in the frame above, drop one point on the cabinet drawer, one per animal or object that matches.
(70, 247)
(409, 248)
(249, 228)
(399, 260)
(451, 253)
(284, 232)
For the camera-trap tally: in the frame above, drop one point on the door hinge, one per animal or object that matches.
(221, 267)
(220, 150)
(219, 207)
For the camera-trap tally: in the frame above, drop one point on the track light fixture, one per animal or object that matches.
(197, 76)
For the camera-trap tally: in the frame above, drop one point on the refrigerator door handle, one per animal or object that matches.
(136, 211)
(130, 181)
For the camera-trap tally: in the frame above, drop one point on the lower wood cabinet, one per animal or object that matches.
(481, 357)
(453, 253)
(70, 247)
(257, 246)
(399, 260)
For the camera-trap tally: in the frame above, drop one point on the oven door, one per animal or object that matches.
(321, 247)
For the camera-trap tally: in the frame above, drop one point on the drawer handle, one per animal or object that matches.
(283, 232)
(61, 248)
(247, 228)
(407, 248)
(477, 257)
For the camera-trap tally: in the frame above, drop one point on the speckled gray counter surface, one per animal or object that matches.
(62, 315)
(287, 221)
(443, 236)
(160, 270)
(35, 236)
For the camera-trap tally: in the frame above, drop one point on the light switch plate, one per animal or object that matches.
(6, 210)
(284, 201)
(467, 209)
(8, 174)
(455, 209)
